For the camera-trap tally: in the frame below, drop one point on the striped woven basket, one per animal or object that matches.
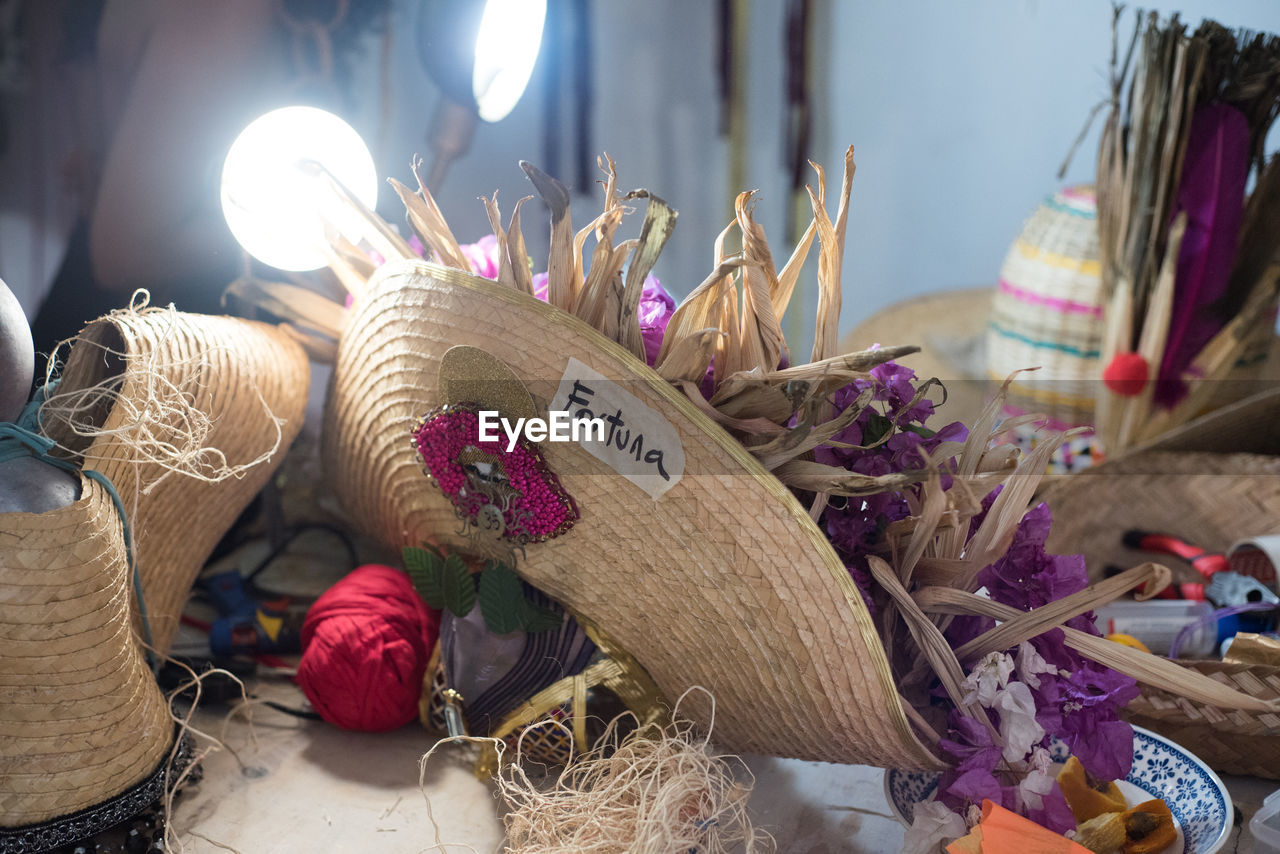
(1047, 311)
(1214, 481)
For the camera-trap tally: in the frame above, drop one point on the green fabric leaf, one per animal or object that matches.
(458, 585)
(535, 618)
(878, 428)
(920, 430)
(426, 571)
(501, 595)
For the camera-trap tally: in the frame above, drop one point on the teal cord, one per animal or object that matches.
(21, 439)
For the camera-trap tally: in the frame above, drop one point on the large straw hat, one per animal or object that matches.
(245, 381)
(81, 718)
(722, 580)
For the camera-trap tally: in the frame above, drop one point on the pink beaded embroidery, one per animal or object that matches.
(513, 494)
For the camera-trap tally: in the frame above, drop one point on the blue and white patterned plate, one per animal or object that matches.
(1161, 769)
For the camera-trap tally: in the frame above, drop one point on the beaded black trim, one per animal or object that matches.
(45, 836)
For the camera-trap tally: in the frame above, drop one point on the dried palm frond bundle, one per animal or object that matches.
(1186, 251)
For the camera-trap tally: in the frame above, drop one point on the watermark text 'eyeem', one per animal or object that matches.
(558, 426)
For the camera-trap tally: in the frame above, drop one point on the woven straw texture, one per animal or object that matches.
(1047, 310)
(724, 582)
(1232, 742)
(1209, 499)
(81, 718)
(238, 372)
(1180, 485)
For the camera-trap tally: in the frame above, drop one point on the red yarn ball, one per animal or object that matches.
(365, 646)
(1127, 374)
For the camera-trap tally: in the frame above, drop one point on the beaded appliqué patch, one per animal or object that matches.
(512, 495)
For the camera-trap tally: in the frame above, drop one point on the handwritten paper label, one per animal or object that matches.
(638, 442)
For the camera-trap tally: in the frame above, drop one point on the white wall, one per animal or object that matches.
(960, 113)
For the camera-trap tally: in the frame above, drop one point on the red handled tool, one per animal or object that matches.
(1205, 563)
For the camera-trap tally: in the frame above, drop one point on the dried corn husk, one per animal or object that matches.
(659, 222)
(561, 268)
(1143, 666)
(516, 252)
(506, 275)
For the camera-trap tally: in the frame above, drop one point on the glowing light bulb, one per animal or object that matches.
(274, 200)
(506, 50)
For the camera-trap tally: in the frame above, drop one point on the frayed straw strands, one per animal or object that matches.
(655, 790)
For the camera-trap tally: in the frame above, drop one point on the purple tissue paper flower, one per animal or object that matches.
(855, 526)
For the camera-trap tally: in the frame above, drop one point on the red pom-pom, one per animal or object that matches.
(1127, 374)
(365, 646)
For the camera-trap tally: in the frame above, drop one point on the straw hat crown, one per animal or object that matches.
(81, 717)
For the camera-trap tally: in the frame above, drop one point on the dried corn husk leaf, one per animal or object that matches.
(790, 273)
(830, 260)
(443, 241)
(659, 222)
(828, 280)
(980, 431)
(425, 220)
(1153, 577)
(561, 268)
(803, 438)
(1143, 666)
(857, 362)
(321, 350)
(753, 400)
(601, 299)
(929, 516)
(994, 535)
(729, 358)
(831, 480)
(700, 309)
(610, 169)
(759, 286)
(381, 236)
(690, 359)
(932, 644)
(349, 265)
(745, 427)
(506, 275)
(515, 251)
(592, 295)
(292, 304)
(597, 226)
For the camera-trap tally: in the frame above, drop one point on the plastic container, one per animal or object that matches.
(1258, 558)
(1157, 622)
(1264, 827)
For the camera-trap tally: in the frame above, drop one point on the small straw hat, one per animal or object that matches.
(81, 718)
(246, 382)
(722, 580)
(1047, 311)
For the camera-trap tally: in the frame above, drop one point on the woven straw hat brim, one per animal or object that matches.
(81, 717)
(724, 582)
(238, 372)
